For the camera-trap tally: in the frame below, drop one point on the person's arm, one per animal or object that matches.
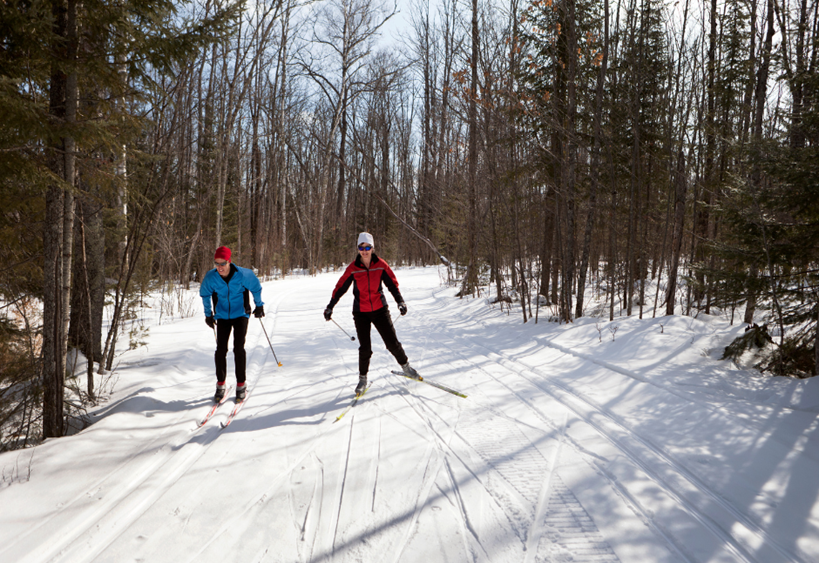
(344, 283)
(253, 284)
(389, 279)
(205, 292)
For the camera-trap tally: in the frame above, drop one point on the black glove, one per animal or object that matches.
(402, 307)
(210, 321)
(258, 312)
(328, 313)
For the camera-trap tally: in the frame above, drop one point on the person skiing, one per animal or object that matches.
(227, 286)
(366, 275)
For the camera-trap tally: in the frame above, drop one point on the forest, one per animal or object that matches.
(539, 150)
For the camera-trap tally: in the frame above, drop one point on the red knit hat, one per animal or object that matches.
(222, 252)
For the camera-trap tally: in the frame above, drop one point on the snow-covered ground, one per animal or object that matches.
(576, 443)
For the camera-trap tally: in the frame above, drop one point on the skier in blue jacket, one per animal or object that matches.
(227, 286)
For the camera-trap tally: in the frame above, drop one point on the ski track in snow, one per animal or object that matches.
(672, 475)
(739, 533)
(512, 466)
(586, 541)
(411, 473)
(441, 444)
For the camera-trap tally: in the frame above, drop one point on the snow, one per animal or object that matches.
(576, 443)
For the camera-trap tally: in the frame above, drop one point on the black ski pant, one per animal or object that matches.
(383, 324)
(223, 329)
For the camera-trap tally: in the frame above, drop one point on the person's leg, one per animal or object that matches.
(365, 350)
(223, 327)
(383, 324)
(239, 355)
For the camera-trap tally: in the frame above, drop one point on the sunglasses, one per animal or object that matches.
(220, 264)
(365, 247)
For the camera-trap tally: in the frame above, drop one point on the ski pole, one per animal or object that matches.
(268, 343)
(342, 330)
(392, 322)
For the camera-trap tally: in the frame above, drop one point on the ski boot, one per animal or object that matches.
(220, 392)
(362, 385)
(410, 372)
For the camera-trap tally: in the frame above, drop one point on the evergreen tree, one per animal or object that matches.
(75, 79)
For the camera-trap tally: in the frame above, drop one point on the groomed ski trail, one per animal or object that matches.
(536, 465)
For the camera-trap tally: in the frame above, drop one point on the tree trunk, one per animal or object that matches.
(88, 289)
(612, 262)
(797, 81)
(595, 165)
(701, 225)
(471, 278)
(83, 300)
(546, 250)
(681, 186)
(342, 158)
(57, 236)
(760, 95)
(816, 343)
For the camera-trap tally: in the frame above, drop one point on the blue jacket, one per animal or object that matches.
(230, 296)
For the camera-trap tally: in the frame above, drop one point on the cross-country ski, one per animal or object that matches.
(353, 403)
(214, 408)
(428, 382)
(239, 404)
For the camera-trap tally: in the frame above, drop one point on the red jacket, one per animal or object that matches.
(367, 292)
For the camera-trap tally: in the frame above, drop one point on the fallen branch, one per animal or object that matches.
(412, 229)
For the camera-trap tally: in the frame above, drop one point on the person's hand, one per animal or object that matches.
(328, 313)
(402, 308)
(210, 321)
(258, 312)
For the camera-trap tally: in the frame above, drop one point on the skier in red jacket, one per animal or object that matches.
(366, 275)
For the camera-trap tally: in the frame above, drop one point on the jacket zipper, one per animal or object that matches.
(227, 283)
(369, 292)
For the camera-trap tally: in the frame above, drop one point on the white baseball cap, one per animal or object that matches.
(365, 238)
